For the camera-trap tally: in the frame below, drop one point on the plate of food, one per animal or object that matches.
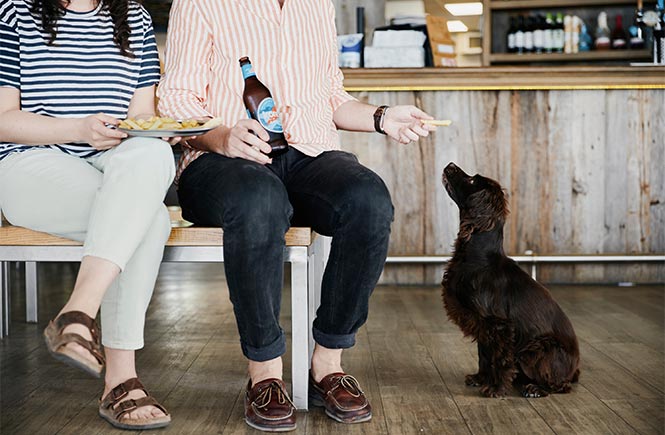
(156, 126)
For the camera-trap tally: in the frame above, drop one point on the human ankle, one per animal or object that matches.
(262, 370)
(326, 361)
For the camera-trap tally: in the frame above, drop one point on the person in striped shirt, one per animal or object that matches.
(69, 70)
(227, 180)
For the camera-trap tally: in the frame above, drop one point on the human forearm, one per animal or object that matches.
(355, 116)
(31, 129)
(402, 123)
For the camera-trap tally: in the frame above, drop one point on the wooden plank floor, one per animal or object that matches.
(409, 358)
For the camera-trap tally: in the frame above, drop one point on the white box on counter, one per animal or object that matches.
(394, 57)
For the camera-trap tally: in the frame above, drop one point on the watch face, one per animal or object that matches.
(651, 18)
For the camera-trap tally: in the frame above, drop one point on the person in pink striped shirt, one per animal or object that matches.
(227, 180)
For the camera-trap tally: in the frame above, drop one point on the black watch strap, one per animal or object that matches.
(378, 118)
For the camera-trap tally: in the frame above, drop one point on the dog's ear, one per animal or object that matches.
(484, 210)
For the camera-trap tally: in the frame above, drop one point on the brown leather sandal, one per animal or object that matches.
(56, 342)
(112, 408)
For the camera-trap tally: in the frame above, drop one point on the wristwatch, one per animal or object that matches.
(379, 114)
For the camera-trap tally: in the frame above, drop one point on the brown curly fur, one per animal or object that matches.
(523, 336)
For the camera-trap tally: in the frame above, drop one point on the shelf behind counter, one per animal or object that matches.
(505, 78)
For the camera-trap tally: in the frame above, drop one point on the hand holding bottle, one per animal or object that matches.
(245, 140)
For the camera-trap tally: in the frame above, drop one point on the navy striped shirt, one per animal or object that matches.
(82, 73)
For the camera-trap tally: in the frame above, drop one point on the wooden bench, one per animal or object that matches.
(305, 251)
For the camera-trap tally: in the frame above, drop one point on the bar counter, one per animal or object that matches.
(580, 151)
(506, 78)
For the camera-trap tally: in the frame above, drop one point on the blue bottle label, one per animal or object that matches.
(268, 117)
(247, 71)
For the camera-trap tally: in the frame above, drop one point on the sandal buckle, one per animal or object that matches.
(119, 392)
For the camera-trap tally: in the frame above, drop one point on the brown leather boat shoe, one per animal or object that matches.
(268, 407)
(341, 396)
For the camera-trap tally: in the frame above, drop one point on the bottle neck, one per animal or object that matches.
(247, 70)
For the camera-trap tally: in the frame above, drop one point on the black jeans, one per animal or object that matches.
(255, 205)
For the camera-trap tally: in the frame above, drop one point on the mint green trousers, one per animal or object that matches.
(113, 203)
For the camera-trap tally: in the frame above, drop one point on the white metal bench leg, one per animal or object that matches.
(31, 291)
(5, 302)
(299, 326)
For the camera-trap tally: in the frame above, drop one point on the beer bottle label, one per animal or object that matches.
(248, 71)
(268, 117)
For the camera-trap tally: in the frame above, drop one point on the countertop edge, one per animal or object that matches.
(505, 78)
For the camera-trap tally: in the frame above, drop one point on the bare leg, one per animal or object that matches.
(260, 371)
(94, 278)
(120, 366)
(325, 361)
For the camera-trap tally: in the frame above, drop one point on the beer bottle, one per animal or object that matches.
(260, 106)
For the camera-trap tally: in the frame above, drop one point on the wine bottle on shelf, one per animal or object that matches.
(602, 33)
(510, 36)
(575, 37)
(586, 41)
(548, 30)
(659, 35)
(539, 34)
(618, 36)
(528, 35)
(559, 34)
(519, 35)
(637, 29)
(568, 34)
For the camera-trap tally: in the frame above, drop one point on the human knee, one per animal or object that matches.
(162, 223)
(369, 205)
(260, 204)
(148, 157)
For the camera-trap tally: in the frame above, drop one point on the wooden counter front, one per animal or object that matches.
(583, 169)
(505, 78)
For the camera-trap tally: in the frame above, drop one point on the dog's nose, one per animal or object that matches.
(451, 168)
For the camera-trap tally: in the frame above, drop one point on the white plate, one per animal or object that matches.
(185, 132)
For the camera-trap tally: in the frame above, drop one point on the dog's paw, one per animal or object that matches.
(473, 380)
(533, 391)
(493, 391)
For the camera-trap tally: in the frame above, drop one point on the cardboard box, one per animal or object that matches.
(442, 44)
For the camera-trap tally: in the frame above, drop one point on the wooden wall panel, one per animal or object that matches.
(583, 170)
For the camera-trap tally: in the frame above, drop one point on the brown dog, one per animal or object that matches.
(523, 335)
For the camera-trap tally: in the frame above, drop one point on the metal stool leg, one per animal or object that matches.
(31, 292)
(5, 298)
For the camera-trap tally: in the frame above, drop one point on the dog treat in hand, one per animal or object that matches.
(437, 122)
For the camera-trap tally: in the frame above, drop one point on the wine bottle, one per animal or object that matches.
(602, 33)
(659, 35)
(528, 35)
(637, 29)
(568, 34)
(547, 33)
(586, 41)
(618, 36)
(559, 35)
(575, 37)
(510, 36)
(539, 34)
(519, 36)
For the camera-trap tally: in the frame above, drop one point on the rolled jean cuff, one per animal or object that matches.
(334, 341)
(273, 350)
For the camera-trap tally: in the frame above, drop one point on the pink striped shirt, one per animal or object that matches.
(293, 51)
